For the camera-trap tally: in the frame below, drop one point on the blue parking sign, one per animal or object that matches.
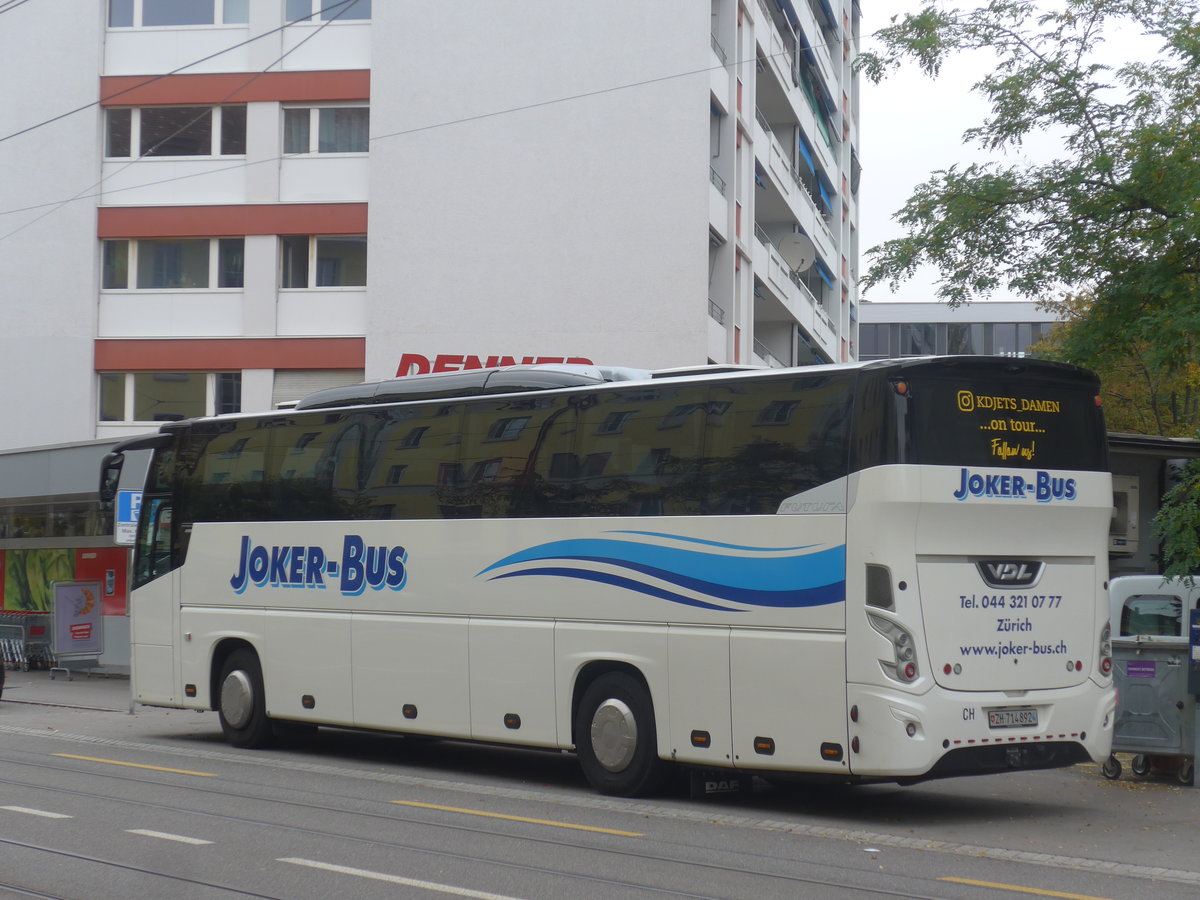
(129, 506)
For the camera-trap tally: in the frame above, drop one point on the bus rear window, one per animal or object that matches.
(1035, 419)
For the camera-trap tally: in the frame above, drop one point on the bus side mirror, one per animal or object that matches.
(110, 477)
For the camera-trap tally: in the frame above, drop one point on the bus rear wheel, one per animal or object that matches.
(615, 737)
(241, 705)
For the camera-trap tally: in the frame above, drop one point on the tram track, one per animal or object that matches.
(60, 853)
(738, 818)
(622, 857)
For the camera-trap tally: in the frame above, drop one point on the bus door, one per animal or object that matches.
(154, 609)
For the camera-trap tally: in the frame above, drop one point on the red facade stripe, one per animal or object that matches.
(215, 221)
(212, 354)
(235, 87)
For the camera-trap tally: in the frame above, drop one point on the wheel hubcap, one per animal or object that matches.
(237, 698)
(614, 735)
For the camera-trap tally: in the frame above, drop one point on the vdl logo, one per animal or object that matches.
(1002, 573)
(361, 567)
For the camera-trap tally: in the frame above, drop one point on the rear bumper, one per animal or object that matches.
(951, 736)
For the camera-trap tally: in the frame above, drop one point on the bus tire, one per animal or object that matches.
(242, 705)
(615, 737)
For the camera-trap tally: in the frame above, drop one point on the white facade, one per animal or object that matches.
(536, 185)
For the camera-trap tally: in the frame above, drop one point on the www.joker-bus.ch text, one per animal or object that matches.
(361, 567)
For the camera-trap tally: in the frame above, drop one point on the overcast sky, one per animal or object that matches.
(910, 125)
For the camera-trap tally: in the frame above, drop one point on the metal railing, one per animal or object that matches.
(719, 50)
(715, 312)
(717, 180)
(762, 120)
(760, 349)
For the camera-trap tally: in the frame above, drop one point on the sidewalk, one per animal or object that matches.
(95, 691)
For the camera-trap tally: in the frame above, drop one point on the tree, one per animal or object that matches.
(1116, 215)
(1141, 396)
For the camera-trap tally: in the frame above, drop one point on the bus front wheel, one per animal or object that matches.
(242, 707)
(615, 737)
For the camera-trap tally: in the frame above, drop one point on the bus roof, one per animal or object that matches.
(520, 379)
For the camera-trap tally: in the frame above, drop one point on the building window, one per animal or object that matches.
(301, 10)
(307, 261)
(172, 264)
(917, 339)
(175, 131)
(174, 13)
(965, 338)
(1004, 338)
(326, 129)
(873, 341)
(168, 396)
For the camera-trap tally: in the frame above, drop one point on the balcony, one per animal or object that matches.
(768, 358)
(716, 312)
(719, 51)
(790, 200)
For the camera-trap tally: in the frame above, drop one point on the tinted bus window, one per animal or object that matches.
(972, 412)
(1034, 421)
(502, 443)
(411, 470)
(769, 439)
(273, 469)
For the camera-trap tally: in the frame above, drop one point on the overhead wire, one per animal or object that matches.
(83, 195)
(10, 5)
(206, 111)
(346, 4)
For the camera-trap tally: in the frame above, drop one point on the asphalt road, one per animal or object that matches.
(97, 804)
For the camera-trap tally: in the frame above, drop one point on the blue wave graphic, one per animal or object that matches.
(755, 579)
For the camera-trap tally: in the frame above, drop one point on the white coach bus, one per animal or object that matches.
(894, 570)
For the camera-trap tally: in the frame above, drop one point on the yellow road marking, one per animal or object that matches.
(1022, 890)
(117, 762)
(492, 815)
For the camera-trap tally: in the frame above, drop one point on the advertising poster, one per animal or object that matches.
(27, 576)
(78, 629)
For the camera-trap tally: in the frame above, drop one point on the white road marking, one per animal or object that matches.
(397, 879)
(167, 836)
(705, 814)
(36, 812)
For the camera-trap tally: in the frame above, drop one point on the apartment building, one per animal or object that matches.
(219, 205)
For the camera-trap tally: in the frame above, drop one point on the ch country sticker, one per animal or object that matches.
(360, 567)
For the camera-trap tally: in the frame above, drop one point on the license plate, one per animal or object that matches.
(1012, 718)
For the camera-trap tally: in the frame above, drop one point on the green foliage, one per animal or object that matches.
(1142, 395)
(1177, 525)
(1114, 220)
(1116, 215)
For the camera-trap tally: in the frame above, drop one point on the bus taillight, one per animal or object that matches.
(1106, 662)
(903, 667)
